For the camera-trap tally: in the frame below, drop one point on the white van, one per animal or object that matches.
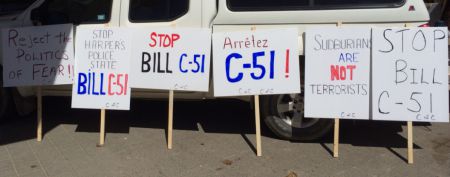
(283, 114)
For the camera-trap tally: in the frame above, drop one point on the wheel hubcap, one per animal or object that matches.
(290, 109)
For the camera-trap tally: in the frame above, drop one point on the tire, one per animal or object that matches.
(5, 100)
(283, 114)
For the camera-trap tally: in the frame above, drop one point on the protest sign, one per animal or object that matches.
(171, 59)
(40, 55)
(410, 81)
(337, 72)
(260, 62)
(101, 70)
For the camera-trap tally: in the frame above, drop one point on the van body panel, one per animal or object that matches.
(216, 15)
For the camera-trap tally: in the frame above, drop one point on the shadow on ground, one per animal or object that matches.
(213, 116)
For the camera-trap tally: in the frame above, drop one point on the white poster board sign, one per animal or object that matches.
(40, 55)
(410, 81)
(260, 62)
(171, 59)
(337, 72)
(101, 70)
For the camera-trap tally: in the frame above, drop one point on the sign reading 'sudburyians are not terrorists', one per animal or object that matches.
(337, 72)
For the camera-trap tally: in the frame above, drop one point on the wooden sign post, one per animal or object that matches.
(410, 132)
(102, 85)
(258, 127)
(336, 125)
(101, 142)
(337, 68)
(170, 121)
(336, 138)
(28, 69)
(267, 64)
(39, 113)
(410, 142)
(170, 113)
(398, 94)
(181, 56)
(257, 120)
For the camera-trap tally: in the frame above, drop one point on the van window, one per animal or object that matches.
(73, 11)
(14, 6)
(279, 5)
(157, 10)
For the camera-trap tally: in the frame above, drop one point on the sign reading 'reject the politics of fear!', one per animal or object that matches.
(410, 74)
(171, 59)
(337, 72)
(259, 62)
(39, 55)
(101, 70)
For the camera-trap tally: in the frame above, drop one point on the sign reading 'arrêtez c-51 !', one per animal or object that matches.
(410, 80)
(171, 59)
(259, 62)
(102, 66)
(40, 55)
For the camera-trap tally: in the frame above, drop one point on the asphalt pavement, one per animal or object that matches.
(211, 138)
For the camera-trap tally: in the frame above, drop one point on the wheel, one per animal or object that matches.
(284, 115)
(5, 99)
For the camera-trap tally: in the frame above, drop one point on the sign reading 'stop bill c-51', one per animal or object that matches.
(259, 62)
(410, 80)
(38, 55)
(171, 59)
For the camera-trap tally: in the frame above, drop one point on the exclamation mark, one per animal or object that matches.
(287, 63)
(68, 69)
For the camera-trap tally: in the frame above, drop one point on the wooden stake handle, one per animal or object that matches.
(39, 113)
(410, 131)
(170, 121)
(102, 128)
(336, 124)
(258, 127)
(410, 142)
(336, 138)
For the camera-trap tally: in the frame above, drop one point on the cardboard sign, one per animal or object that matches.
(171, 59)
(260, 62)
(410, 81)
(102, 65)
(40, 55)
(337, 73)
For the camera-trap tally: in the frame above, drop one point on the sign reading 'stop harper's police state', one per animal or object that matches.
(102, 66)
